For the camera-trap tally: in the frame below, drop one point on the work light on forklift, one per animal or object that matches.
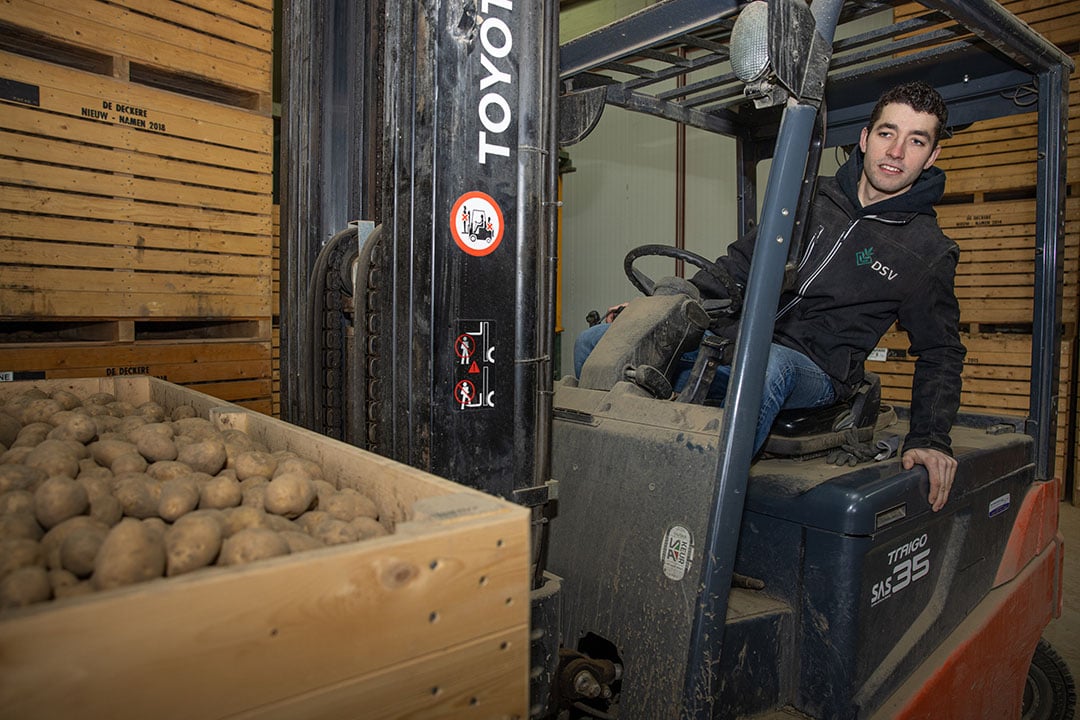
(750, 43)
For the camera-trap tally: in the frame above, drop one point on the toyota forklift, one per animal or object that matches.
(674, 576)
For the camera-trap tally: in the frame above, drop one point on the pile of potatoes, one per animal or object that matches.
(96, 494)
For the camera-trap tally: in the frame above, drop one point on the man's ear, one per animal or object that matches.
(862, 139)
(932, 158)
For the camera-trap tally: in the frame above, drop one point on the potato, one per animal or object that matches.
(15, 501)
(32, 434)
(79, 549)
(279, 523)
(156, 525)
(129, 463)
(250, 545)
(97, 482)
(60, 581)
(196, 428)
(131, 553)
(120, 408)
(348, 504)
(179, 496)
(254, 463)
(20, 525)
(105, 452)
(242, 518)
(301, 465)
(220, 492)
(53, 541)
(324, 490)
(20, 553)
(168, 470)
(80, 428)
(237, 442)
(138, 493)
(16, 454)
(367, 527)
(182, 412)
(152, 411)
(67, 399)
(20, 477)
(335, 532)
(192, 542)
(58, 499)
(106, 509)
(9, 428)
(100, 398)
(154, 441)
(312, 519)
(54, 457)
(25, 586)
(106, 424)
(290, 494)
(253, 490)
(300, 541)
(40, 410)
(206, 455)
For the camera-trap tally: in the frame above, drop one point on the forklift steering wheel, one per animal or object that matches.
(642, 281)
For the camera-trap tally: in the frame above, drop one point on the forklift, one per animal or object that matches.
(673, 576)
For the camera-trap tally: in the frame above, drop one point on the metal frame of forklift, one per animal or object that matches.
(400, 159)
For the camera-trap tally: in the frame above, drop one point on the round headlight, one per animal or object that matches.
(750, 42)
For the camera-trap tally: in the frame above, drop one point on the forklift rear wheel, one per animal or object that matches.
(1049, 693)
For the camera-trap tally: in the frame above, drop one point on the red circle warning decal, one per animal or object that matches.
(476, 223)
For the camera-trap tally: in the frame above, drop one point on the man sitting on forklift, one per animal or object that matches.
(874, 254)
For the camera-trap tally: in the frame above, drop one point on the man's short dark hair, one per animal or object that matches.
(921, 98)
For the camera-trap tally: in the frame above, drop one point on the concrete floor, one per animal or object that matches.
(1064, 633)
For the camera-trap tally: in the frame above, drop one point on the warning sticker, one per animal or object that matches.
(476, 222)
(474, 347)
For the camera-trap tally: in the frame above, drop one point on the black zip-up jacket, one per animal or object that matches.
(862, 269)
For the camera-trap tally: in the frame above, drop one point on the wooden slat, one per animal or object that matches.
(62, 179)
(35, 253)
(56, 150)
(110, 29)
(213, 24)
(126, 234)
(71, 92)
(99, 207)
(93, 302)
(256, 13)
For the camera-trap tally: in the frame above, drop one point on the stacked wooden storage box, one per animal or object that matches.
(135, 221)
(989, 210)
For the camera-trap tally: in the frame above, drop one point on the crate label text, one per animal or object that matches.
(123, 114)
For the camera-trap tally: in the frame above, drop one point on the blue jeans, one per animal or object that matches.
(792, 380)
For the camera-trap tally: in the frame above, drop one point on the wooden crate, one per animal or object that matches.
(225, 46)
(430, 622)
(234, 366)
(995, 277)
(122, 200)
(996, 376)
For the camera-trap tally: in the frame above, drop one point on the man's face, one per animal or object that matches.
(897, 149)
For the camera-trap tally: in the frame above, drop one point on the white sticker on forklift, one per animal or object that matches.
(676, 552)
(476, 222)
(999, 505)
(908, 563)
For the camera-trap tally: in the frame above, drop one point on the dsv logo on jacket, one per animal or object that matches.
(866, 257)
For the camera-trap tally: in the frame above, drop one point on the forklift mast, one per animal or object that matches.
(437, 121)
